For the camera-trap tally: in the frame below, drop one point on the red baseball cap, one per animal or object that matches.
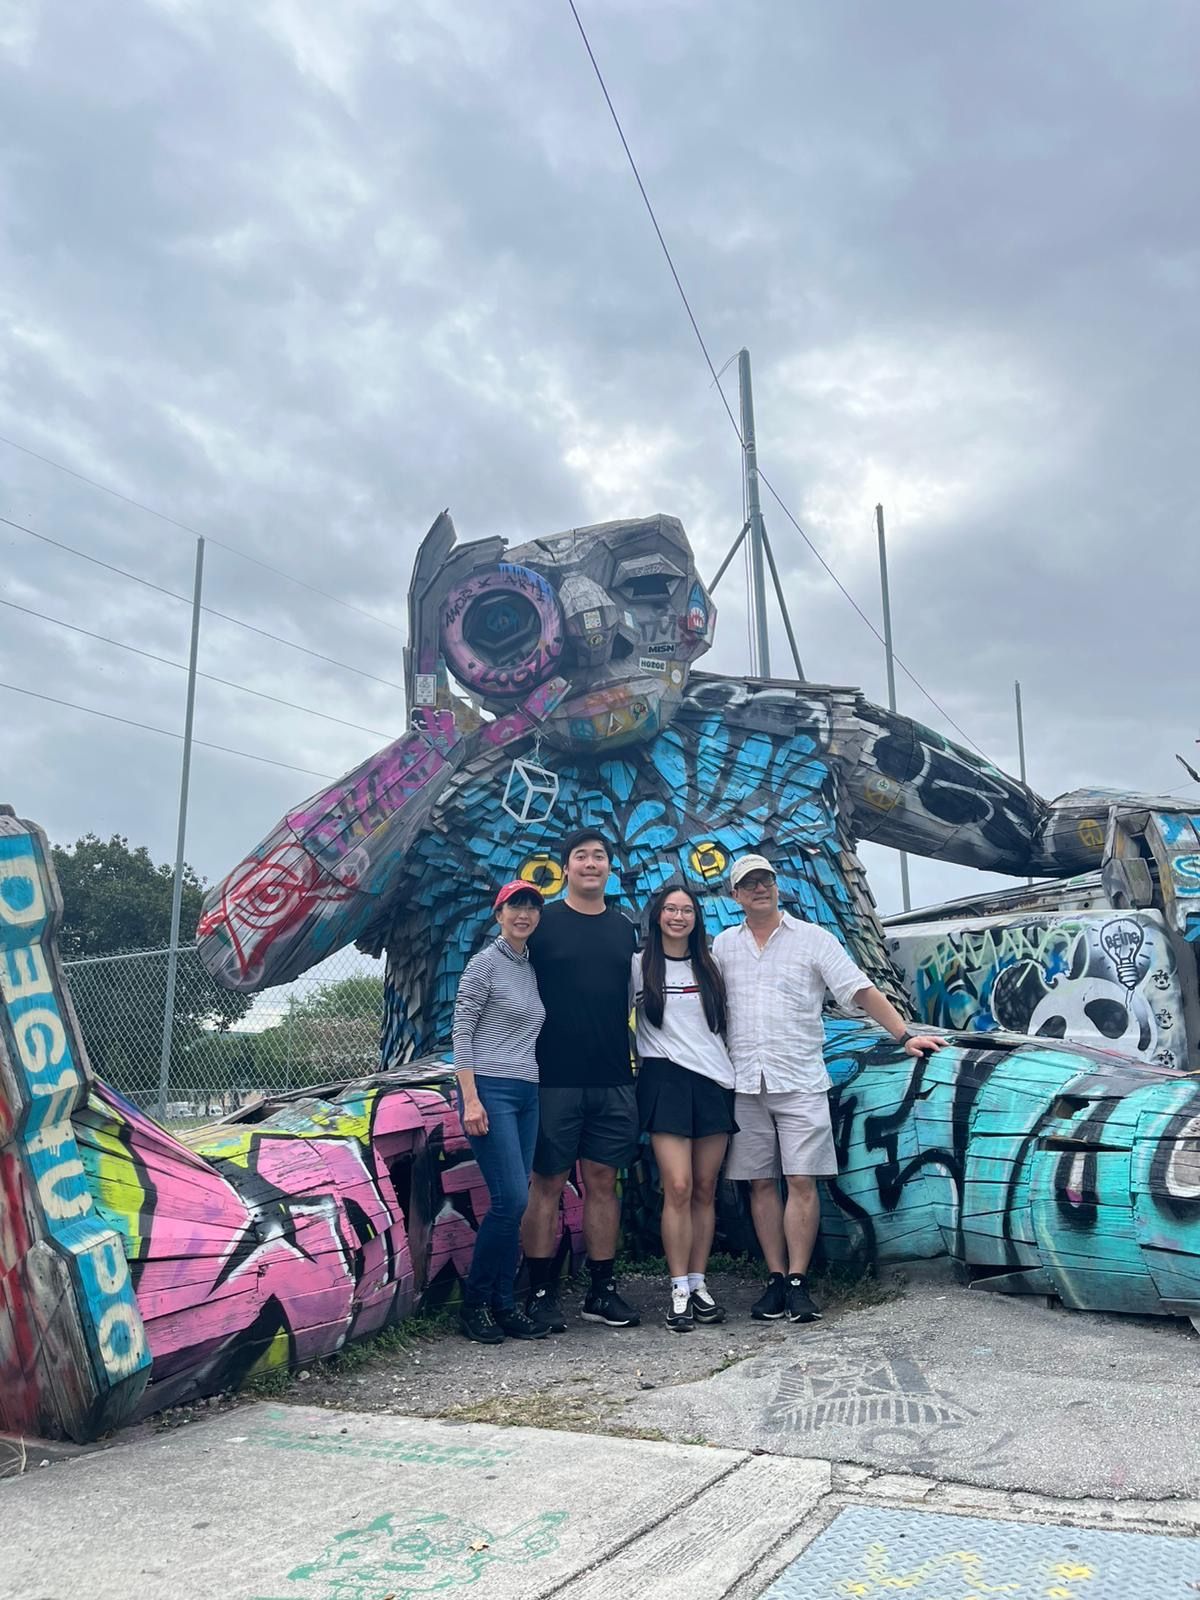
(516, 886)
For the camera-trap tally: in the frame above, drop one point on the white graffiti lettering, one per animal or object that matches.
(41, 1039)
(18, 985)
(122, 1340)
(64, 1207)
(112, 1270)
(21, 901)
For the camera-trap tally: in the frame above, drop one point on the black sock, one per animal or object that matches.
(543, 1271)
(773, 1277)
(601, 1272)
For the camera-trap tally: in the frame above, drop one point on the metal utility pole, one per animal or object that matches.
(1020, 738)
(758, 590)
(1020, 728)
(891, 672)
(164, 1064)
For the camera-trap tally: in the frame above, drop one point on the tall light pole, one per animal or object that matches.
(168, 1029)
(891, 672)
(1020, 738)
(758, 590)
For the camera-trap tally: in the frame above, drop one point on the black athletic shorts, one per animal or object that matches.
(673, 1100)
(596, 1123)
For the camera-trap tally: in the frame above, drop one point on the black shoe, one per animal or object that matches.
(679, 1313)
(543, 1310)
(478, 1323)
(705, 1308)
(772, 1303)
(801, 1307)
(517, 1324)
(604, 1304)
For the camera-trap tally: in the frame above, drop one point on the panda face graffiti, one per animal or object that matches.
(1098, 1011)
(1084, 1008)
(616, 610)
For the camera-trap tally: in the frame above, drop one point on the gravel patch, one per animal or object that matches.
(588, 1379)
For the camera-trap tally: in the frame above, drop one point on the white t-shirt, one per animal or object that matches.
(684, 1037)
(775, 995)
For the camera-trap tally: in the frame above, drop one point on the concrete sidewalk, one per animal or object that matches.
(956, 1384)
(944, 1445)
(271, 1502)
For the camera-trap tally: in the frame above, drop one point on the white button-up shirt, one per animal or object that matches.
(775, 1036)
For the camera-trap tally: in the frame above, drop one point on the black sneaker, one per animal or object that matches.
(604, 1304)
(705, 1308)
(544, 1311)
(517, 1324)
(772, 1303)
(478, 1323)
(801, 1307)
(679, 1312)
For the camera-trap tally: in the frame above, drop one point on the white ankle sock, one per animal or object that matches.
(680, 1285)
(695, 1281)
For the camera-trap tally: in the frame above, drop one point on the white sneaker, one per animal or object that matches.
(679, 1316)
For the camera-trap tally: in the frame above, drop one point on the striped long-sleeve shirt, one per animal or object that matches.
(498, 1014)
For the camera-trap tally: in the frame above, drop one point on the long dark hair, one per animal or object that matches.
(654, 963)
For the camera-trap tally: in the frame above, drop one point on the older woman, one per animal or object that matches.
(497, 1016)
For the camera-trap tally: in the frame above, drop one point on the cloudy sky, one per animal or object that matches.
(300, 275)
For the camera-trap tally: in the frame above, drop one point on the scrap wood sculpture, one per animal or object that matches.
(552, 686)
(138, 1271)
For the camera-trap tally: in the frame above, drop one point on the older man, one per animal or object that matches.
(776, 970)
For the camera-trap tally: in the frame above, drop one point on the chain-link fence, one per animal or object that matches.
(225, 1048)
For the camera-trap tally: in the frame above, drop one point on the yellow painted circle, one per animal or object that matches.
(544, 873)
(708, 859)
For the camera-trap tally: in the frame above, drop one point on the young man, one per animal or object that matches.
(776, 970)
(581, 953)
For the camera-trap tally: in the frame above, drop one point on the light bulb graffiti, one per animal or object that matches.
(1123, 940)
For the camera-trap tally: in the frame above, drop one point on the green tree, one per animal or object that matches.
(117, 900)
(328, 1034)
(360, 998)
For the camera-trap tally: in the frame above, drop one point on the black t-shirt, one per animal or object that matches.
(582, 965)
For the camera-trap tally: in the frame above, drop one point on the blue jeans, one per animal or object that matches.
(505, 1157)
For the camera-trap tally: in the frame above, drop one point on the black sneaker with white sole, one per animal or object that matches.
(477, 1322)
(517, 1324)
(705, 1308)
(801, 1307)
(772, 1303)
(543, 1309)
(679, 1312)
(604, 1304)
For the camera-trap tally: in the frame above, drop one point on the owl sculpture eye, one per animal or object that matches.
(502, 630)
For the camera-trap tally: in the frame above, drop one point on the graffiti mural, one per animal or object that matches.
(1041, 1170)
(138, 1270)
(271, 1238)
(1096, 977)
(73, 1352)
(551, 686)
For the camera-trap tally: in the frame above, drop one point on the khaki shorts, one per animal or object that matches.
(789, 1133)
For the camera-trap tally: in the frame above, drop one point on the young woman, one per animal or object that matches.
(497, 1016)
(684, 1090)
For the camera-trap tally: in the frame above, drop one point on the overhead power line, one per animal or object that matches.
(174, 522)
(182, 666)
(130, 722)
(210, 610)
(775, 495)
